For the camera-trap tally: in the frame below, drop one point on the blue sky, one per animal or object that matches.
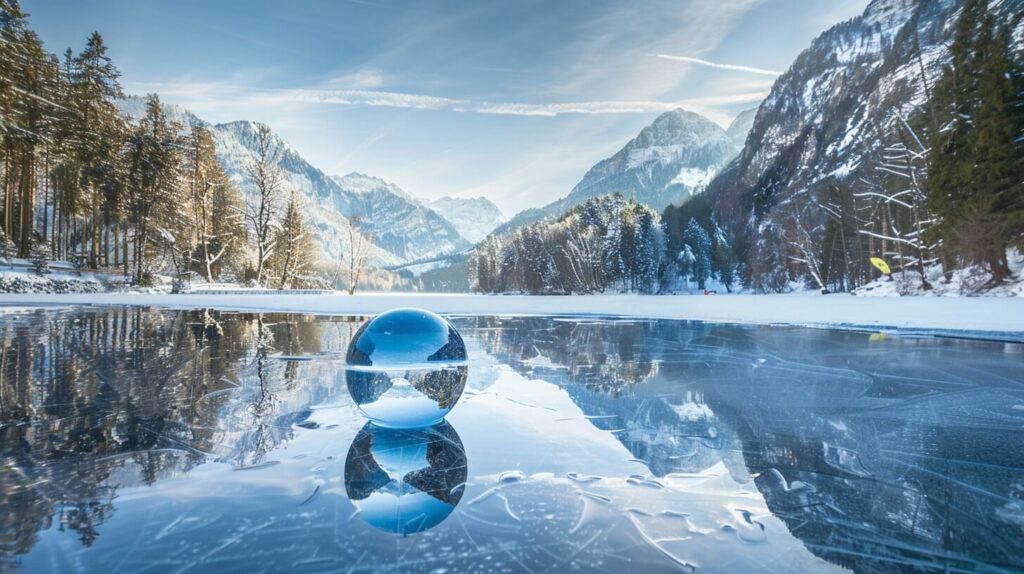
(510, 100)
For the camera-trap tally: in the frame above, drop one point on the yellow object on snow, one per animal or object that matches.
(881, 265)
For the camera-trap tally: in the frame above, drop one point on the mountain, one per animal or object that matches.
(825, 125)
(668, 162)
(401, 227)
(473, 217)
(741, 126)
(395, 220)
(325, 204)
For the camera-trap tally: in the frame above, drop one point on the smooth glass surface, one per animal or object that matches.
(406, 368)
(144, 440)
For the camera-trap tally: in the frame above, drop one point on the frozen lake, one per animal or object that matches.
(148, 440)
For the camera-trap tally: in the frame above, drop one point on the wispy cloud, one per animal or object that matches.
(418, 101)
(365, 79)
(737, 68)
(208, 97)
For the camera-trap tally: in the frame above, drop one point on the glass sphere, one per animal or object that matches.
(405, 480)
(406, 368)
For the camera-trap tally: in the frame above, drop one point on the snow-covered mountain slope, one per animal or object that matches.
(134, 108)
(325, 204)
(827, 118)
(401, 227)
(474, 217)
(395, 220)
(672, 159)
(741, 126)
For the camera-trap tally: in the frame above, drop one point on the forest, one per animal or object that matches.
(83, 183)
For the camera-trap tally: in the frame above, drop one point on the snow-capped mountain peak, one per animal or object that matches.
(669, 161)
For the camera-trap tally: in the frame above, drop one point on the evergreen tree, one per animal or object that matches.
(723, 260)
(974, 173)
(40, 256)
(697, 240)
(153, 184)
(216, 231)
(295, 253)
(98, 135)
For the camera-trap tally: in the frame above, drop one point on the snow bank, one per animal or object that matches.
(17, 278)
(967, 281)
(987, 317)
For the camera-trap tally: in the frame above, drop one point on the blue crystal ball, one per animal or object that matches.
(406, 368)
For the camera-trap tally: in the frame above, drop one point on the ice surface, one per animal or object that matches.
(981, 315)
(641, 446)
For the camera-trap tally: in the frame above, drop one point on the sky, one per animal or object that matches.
(511, 100)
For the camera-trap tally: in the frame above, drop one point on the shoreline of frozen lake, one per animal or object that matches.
(997, 318)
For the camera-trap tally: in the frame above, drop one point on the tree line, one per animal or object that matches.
(82, 183)
(605, 244)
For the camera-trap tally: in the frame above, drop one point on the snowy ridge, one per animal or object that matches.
(740, 127)
(827, 118)
(235, 144)
(396, 221)
(474, 217)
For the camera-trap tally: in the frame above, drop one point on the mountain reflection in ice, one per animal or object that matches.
(136, 439)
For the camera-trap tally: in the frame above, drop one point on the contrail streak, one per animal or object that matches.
(700, 62)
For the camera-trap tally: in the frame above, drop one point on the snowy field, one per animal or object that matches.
(981, 315)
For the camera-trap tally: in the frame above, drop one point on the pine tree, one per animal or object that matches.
(697, 240)
(723, 260)
(295, 253)
(153, 184)
(974, 175)
(8, 250)
(99, 134)
(215, 229)
(40, 256)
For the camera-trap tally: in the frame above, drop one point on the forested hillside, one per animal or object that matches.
(896, 135)
(606, 243)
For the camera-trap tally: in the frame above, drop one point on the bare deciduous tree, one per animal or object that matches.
(260, 211)
(354, 266)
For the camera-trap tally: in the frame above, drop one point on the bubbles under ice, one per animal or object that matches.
(405, 480)
(406, 368)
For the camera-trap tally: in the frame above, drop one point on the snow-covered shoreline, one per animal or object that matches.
(1002, 318)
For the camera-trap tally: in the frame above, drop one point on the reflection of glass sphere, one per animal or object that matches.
(405, 480)
(406, 368)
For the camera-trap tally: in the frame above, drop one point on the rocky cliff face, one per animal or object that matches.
(829, 116)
